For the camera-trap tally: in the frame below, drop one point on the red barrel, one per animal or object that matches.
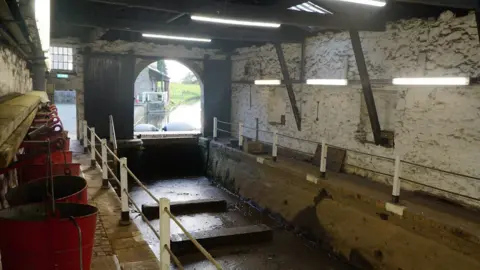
(31, 239)
(57, 158)
(34, 172)
(72, 189)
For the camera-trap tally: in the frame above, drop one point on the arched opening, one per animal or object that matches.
(168, 97)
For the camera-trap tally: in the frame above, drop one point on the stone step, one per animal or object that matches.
(187, 207)
(253, 234)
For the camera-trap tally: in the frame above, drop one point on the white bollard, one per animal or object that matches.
(274, 145)
(323, 159)
(93, 162)
(85, 136)
(164, 233)
(104, 164)
(214, 128)
(125, 218)
(396, 181)
(240, 135)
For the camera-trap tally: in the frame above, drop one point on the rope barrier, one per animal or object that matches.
(222, 130)
(175, 259)
(141, 184)
(194, 241)
(420, 184)
(226, 123)
(98, 153)
(113, 154)
(143, 216)
(114, 176)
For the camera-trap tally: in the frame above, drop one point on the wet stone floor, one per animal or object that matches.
(286, 251)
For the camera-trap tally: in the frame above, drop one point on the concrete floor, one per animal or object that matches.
(286, 251)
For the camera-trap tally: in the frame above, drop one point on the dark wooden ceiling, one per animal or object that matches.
(127, 19)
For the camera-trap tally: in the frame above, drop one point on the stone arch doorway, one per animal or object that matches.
(165, 103)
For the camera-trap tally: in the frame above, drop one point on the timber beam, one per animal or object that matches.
(260, 13)
(288, 85)
(366, 86)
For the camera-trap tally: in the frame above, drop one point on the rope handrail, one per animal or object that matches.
(98, 153)
(194, 241)
(113, 174)
(141, 184)
(222, 130)
(369, 154)
(113, 154)
(143, 216)
(175, 258)
(226, 123)
(127, 198)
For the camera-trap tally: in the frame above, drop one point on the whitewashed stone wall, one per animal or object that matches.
(173, 52)
(433, 126)
(14, 75)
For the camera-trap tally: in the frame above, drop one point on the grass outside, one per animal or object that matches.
(181, 93)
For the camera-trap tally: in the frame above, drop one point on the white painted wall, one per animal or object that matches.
(14, 75)
(434, 126)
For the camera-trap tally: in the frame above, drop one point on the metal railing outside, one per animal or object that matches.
(164, 204)
(397, 161)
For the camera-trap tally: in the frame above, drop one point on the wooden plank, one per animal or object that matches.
(11, 145)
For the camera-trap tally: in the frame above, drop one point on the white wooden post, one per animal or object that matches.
(214, 128)
(85, 136)
(110, 128)
(323, 159)
(125, 218)
(80, 134)
(164, 233)
(93, 162)
(274, 145)
(396, 181)
(240, 135)
(104, 164)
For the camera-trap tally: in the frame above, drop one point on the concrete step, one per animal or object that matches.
(180, 244)
(187, 207)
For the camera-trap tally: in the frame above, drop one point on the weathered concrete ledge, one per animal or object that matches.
(348, 214)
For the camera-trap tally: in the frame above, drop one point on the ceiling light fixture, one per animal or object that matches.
(268, 82)
(432, 81)
(234, 22)
(177, 37)
(367, 2)
(327, 82)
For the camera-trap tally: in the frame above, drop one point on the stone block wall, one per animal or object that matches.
(14, 74)
(173, 52)
(433, 126)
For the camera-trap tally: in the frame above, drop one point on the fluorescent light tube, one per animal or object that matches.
(327, 81)
(432, 81)
(234, 22)
(177, 37)
(367, 2)
(268, 82)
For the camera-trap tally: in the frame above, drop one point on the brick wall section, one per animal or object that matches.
(434, 126)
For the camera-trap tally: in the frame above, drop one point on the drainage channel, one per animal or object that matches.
(237, 235)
